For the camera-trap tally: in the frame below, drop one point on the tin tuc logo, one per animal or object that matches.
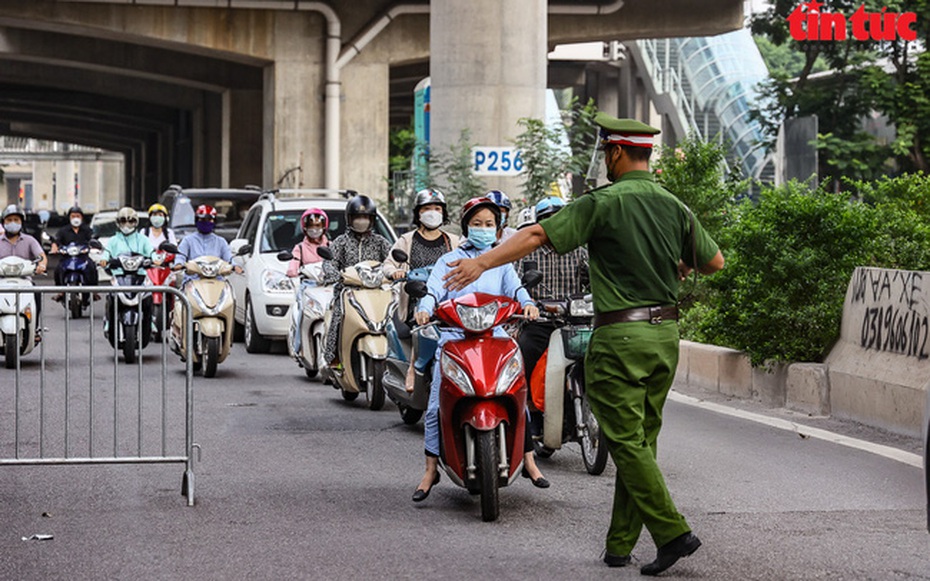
(807, 22)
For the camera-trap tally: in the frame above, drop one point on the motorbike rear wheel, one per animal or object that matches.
(593, 442)
(211, 355)
(10, 354)
(488, 460)
(376, 386)
(409, 415)
(129, 343)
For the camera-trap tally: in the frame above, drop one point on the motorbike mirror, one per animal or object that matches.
(324, 252)
(399, 255)
(245, 249)
(285, 256)
(168, 247)
(416, 289)
(531, 278)
(95, 244)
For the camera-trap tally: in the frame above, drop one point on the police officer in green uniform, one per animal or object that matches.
(642, 241)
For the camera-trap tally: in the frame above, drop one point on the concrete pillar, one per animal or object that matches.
(293, 107)
(365, 131)
(114, 185)
(488, 70)
(42, 184)
(242, 138)
(88, 174)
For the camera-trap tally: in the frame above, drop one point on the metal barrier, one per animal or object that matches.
(73, 425)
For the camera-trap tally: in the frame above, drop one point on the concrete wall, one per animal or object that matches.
(878, 372)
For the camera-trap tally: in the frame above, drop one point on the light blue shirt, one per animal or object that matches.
(119, 243)
(501, 280)
(196, 245)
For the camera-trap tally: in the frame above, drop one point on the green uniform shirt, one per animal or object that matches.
(636, 231)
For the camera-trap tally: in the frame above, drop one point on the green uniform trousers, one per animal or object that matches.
(629, 369)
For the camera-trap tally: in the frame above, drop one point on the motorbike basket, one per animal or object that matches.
(575, 340)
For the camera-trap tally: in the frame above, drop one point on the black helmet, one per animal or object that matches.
(360, 206)
(75, 210)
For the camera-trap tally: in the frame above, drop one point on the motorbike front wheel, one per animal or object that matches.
(10, 354)
(376, 386)
(488, 460)
(593, 442)
(74, 304)
(158, 314)
(349, 395)
(129, 343)
(409, 415)
(211, 355)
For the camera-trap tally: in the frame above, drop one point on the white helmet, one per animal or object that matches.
(127, 220)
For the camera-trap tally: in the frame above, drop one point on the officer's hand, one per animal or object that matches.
(422, 317)
(464, 272)
(531, 312)
(683, 270)
(398, 274)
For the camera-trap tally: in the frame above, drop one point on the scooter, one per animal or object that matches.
(74, 273)
(482, 397)
(557, 384)
(128, 322)
(367, 305)
(212, 307)
(17, 310)
(405, 346)
(307, 329)
(162, 303)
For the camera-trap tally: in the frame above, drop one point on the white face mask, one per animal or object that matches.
(12, 228)
(431, 219)
(313, 233)
(127, 230)
(157, 221)
(76, 222)
(361, 224)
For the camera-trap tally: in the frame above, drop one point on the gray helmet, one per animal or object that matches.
(14, 210)
(426, 197)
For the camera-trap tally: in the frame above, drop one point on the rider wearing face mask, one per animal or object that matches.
(157, 232)
(204, 242)
(127, 239)
(315, 223)
(481, 219)
(79, 233)
(357, 244)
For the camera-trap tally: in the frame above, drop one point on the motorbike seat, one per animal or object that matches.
(403, 329)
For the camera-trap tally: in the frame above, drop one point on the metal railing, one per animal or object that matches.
(58, 417)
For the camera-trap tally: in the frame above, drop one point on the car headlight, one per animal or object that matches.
(274, 281)
(370, 277)
(456, 374)
(512, 369)
(581, 308)
(478, 319)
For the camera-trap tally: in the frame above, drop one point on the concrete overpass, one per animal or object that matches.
(294, 92)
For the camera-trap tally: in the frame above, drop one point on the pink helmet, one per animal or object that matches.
(317, 213)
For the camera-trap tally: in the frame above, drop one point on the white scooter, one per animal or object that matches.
(308, 327)
(17, 310)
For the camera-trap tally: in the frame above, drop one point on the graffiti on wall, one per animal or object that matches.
(892, 309)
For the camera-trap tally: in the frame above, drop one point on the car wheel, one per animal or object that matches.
(254, 342)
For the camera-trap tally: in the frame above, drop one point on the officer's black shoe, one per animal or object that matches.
(669, 553)
(617, 560)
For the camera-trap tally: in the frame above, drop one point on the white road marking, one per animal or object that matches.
(802, 430)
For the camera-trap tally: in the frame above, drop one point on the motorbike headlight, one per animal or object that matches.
(431, 332)
(456, 374)
(131, 263)
(209, 269)
(13, 269)
(512, 369)
(581, 308)
(158, 258)
(370, 277)
(274, 281)
(312, 308)
(74, 250)
(478, 319)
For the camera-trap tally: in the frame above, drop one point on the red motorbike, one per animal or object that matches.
(159, 274)
(482, 398)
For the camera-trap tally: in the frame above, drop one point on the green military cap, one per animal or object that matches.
(625, 132)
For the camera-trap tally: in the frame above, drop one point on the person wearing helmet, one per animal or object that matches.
(315, 224)
(128, 239)
(156, 231)
(564, 275)
(204, 242)
(357, 244)
(79, 233)
(480, 221)
(503, 202)
(423, 248)
(15, 242)
(641, 240)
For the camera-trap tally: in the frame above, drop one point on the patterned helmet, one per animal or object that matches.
(205, 212)
(500, 198)
(316, 213)
(548, 206)
(426, 197)
(127, 216)
(475, 204)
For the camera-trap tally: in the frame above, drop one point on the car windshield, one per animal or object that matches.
(106, 227)
(229, 211)
(282, 229)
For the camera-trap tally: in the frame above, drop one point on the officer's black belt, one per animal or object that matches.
(655, 315)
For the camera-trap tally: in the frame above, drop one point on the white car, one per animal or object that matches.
(264, 294)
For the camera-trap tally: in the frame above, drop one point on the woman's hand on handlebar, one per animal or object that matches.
(422, 317)
(531, 312)
(398, 274)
